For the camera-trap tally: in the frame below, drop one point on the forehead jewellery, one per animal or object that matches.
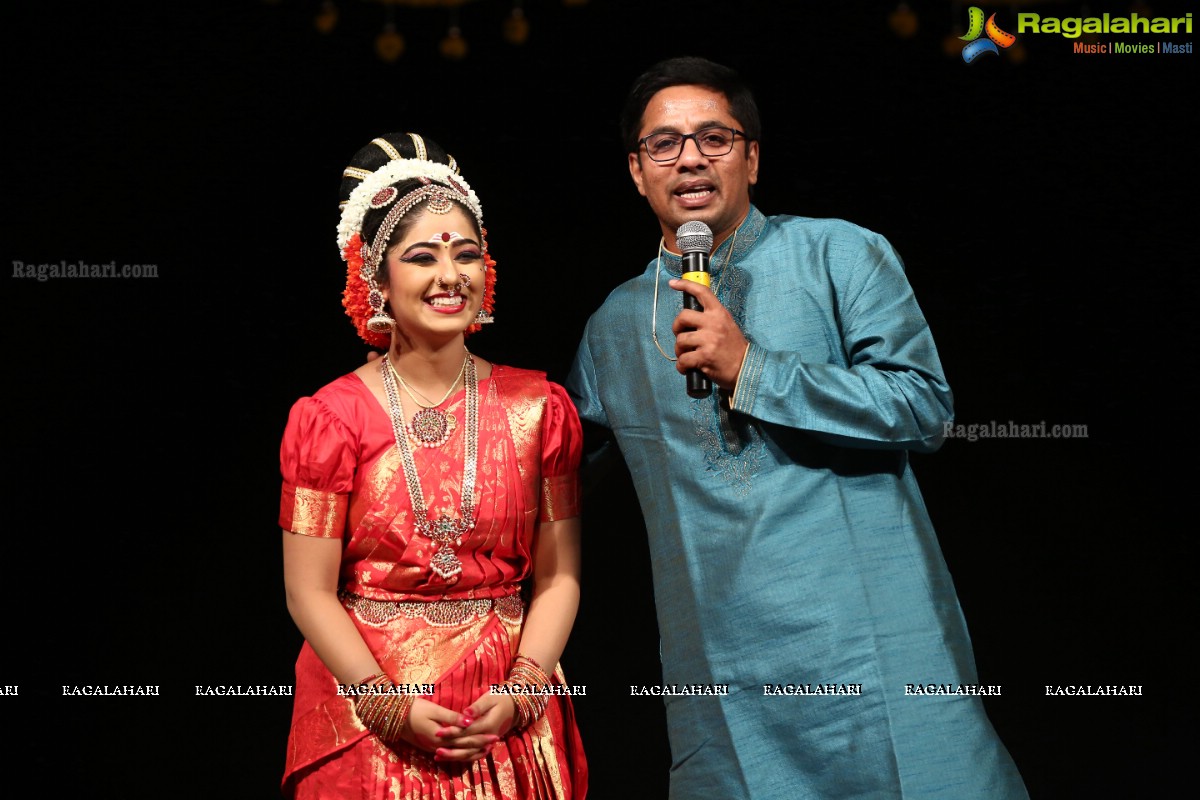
(658, 271)
(445, 531)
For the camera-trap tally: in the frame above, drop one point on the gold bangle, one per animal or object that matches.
(383, 710)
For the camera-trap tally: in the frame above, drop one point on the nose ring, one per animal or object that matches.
(463, 282)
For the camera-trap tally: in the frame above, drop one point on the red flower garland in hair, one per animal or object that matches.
(489, 285)
(358, 307)
(354, 298)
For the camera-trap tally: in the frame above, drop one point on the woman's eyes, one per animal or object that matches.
(419, 258)
(424, 258)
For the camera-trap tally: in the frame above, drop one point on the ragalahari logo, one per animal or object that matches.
(976, 27)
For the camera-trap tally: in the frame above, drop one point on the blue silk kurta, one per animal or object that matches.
(789, 540)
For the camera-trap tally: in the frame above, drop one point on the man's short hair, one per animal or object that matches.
(688, 71)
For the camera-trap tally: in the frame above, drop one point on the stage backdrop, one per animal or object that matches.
(170, 211)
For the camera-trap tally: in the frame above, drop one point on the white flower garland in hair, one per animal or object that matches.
(393, 172)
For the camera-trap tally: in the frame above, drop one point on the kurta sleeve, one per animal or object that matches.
(562, 445)
(317, 460)
(582, 383)
(889, 391)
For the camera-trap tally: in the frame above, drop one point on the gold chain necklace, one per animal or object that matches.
(658, 271)
(429, 427)
(404, 385)
(445, 531)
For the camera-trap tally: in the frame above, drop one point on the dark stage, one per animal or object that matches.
(1042, 199)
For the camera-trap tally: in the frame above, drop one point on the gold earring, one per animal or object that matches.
(381, 321)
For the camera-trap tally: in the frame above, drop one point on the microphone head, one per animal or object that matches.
(694, 236)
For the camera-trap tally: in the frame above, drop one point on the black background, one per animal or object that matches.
(1044, 208)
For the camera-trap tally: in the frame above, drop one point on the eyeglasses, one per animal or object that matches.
(711, 142)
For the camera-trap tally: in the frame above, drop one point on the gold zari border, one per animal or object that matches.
(320, 514)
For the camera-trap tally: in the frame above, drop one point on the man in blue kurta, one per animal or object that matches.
(793, 557)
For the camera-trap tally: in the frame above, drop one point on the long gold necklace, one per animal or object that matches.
(658, 271)
(444, 530)
(431, 426)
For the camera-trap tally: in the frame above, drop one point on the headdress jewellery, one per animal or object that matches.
(440, 186)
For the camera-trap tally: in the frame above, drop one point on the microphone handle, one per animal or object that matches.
(695, 268)
(698, 384)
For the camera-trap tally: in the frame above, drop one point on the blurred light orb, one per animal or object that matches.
(454, 46)
(389, 45)
(903, 21)
(952, 45)
(327, 18)
(516, 27)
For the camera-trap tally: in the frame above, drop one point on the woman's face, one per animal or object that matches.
(435, 276)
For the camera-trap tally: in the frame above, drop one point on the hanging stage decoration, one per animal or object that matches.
(390, 43)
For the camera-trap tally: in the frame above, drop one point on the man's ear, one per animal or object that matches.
(752, 161)
(635, 171)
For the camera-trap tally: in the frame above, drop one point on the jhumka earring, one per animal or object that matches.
(381, 321)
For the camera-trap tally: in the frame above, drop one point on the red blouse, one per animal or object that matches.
(343, 478)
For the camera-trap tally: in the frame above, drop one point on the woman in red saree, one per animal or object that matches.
(430, 513)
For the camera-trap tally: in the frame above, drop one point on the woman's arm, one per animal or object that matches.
(310, 579)
(556, 567)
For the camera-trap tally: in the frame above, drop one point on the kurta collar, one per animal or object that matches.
(747, 235)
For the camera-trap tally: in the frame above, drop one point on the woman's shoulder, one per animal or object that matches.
(509, 377)
(528, 384)
(344, 397)
(509, 371)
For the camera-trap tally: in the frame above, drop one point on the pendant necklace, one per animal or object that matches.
(430, 426)
(444, 530)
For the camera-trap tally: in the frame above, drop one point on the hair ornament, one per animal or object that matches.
(392, 172)
(387, 147)
(384, 196)
(419, 146)
(440, 202)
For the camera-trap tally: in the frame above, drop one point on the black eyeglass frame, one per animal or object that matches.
(683, 137)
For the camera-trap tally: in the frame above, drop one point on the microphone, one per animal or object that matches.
(695, 240)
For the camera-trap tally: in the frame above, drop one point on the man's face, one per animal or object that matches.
(714, 190)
